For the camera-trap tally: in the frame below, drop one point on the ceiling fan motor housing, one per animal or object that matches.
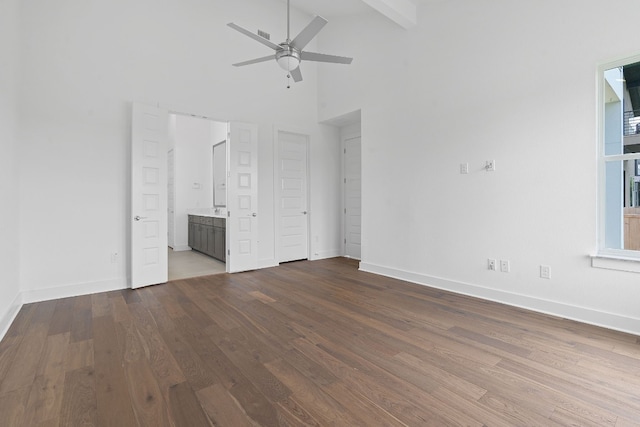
(288, 57)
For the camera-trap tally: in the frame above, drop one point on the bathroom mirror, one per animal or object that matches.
(220, 174)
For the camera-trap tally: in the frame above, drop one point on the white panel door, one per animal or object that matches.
(352, 198)
(292, 198)
(242, 201)
(149, 136)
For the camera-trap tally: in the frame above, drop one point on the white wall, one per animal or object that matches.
(479, 80)
(83, 64)
(10, 212)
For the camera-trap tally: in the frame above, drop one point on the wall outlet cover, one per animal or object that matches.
(545, 272)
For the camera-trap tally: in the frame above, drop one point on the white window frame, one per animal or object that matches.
(616, 259)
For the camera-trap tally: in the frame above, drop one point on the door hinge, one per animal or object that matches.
(228, 252)
(345, 211)
(345, 241)
(345, 180)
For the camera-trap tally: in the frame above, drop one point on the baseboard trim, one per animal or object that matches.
(581, 314)
(181, 248)
(66, 291)
(8, 318)
(326, 254)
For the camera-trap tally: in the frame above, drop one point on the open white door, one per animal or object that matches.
(242, 198)
(149, 136)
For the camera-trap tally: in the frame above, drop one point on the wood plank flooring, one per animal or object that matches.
(309, 344)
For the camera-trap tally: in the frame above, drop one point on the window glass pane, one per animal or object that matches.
(629, 78)
(622, 205)
(613, 111)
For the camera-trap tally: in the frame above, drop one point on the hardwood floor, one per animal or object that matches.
(309, 343)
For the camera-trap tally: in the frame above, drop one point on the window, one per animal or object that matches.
(619, 159)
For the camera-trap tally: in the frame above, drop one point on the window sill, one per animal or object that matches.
(616, 262)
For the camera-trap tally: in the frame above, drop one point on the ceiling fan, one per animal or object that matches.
(289, 54)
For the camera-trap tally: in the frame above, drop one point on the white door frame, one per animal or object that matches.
(276, 186)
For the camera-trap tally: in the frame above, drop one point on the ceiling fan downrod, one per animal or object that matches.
(288, 9)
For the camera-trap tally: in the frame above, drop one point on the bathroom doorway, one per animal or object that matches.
(196, 196)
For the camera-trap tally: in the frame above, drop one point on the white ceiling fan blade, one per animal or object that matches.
(255, 61)
(256, 37)
(321, 57)
(309, 32)
(296, 75)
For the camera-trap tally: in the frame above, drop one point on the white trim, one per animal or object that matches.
(615, 262)
(181, 248)
(615, 259)
(66, 291)
(326, 254)
(276, 187)
(621, 157)
(10, 315)
(581, 314)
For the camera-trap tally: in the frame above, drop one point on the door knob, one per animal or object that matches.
(254, 214)
(138, 218)
(304, 212)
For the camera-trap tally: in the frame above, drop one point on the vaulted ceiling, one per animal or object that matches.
(402, 12)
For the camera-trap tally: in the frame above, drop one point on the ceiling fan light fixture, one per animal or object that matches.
(288, 62)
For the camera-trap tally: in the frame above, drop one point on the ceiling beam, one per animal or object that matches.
(402, 12)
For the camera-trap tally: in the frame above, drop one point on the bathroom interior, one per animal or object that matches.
(197, 190)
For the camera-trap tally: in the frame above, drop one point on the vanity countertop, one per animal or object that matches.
(209, 212)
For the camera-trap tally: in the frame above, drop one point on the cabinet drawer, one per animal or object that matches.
(204, 220)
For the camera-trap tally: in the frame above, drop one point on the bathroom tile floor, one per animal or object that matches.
(185, 264)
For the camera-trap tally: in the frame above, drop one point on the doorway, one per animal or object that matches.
(150, 136)
(191, 191)
(292, 195)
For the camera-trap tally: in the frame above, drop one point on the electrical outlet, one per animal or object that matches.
(505, 266)
(492, 264)
(545, 272)
(490, 166)
(464, 168)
